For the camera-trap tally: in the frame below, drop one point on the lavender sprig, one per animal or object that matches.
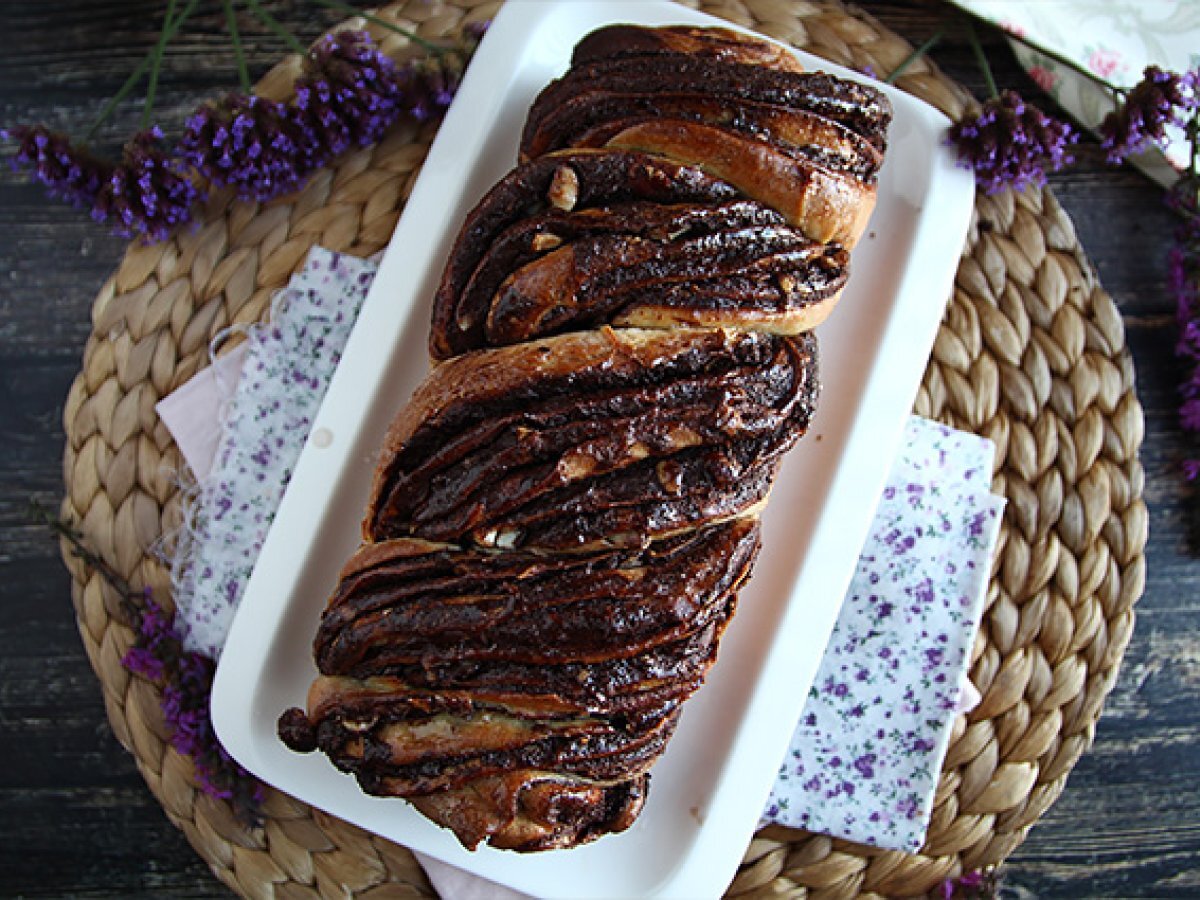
(428, 86)
(1183, 280)
(149, 194)
(184, 677)
(68, 172)
(347, 96)
(186, 681)
(1160, 99)
(977, 885)
(1011, 143)
(249, 143)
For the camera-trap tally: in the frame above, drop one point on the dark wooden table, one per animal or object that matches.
(75, 817)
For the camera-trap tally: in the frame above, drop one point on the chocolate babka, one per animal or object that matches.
(563, 514)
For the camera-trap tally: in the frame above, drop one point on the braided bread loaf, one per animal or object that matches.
(564, 512)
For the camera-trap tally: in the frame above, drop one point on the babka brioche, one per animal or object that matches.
(563, 514)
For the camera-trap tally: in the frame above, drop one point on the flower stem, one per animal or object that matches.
(236, 38)
(977, 48)
(382, 23)
(1193, 136)
(136, 75)
(914, 56)
(81, 551)
(156, 66)
(271, 22)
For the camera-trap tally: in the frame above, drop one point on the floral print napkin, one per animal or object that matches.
(264, 423)
(864, 761)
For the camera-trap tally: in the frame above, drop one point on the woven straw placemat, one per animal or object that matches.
(1031, 354)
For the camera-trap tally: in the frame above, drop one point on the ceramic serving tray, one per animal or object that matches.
(708, 790)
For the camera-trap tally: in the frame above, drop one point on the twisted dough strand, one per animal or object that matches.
(563, 514)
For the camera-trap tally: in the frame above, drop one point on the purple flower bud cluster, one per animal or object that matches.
(248, 143)
(428, 86)
(67, 172)
(348, 95)
(186, 681)
(1160, 99)
(1183, 280)
(148, 193)
(969, 885)
(1011, 143)
(157, 643)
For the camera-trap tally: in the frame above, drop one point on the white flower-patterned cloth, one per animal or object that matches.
(1112, 40)
(864, 761)
(288, 363)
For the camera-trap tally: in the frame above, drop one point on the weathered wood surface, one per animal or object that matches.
(75, 818)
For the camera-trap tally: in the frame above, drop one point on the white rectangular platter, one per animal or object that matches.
(708, 790)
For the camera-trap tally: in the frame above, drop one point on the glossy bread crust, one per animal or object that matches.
(563, 514)
(611, 437)
(724, 44)
(547, 188)
(519, 698)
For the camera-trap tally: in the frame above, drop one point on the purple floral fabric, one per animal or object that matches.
(865, 759)
(289, 362)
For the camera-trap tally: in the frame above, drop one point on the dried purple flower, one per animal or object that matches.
(1188, 345)
(186, 679)
(970, 886)
(156, 642)
(1183, 199)
(1161, 98)
(347, 95)
(149, 193)
(68, 172)
(1189, 413)
(1183, 280)
(427, 89)
(1011, 143)
(249, 143)
(1180, 279)
(427, 86)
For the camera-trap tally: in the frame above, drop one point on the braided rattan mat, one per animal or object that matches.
(1031, 353)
